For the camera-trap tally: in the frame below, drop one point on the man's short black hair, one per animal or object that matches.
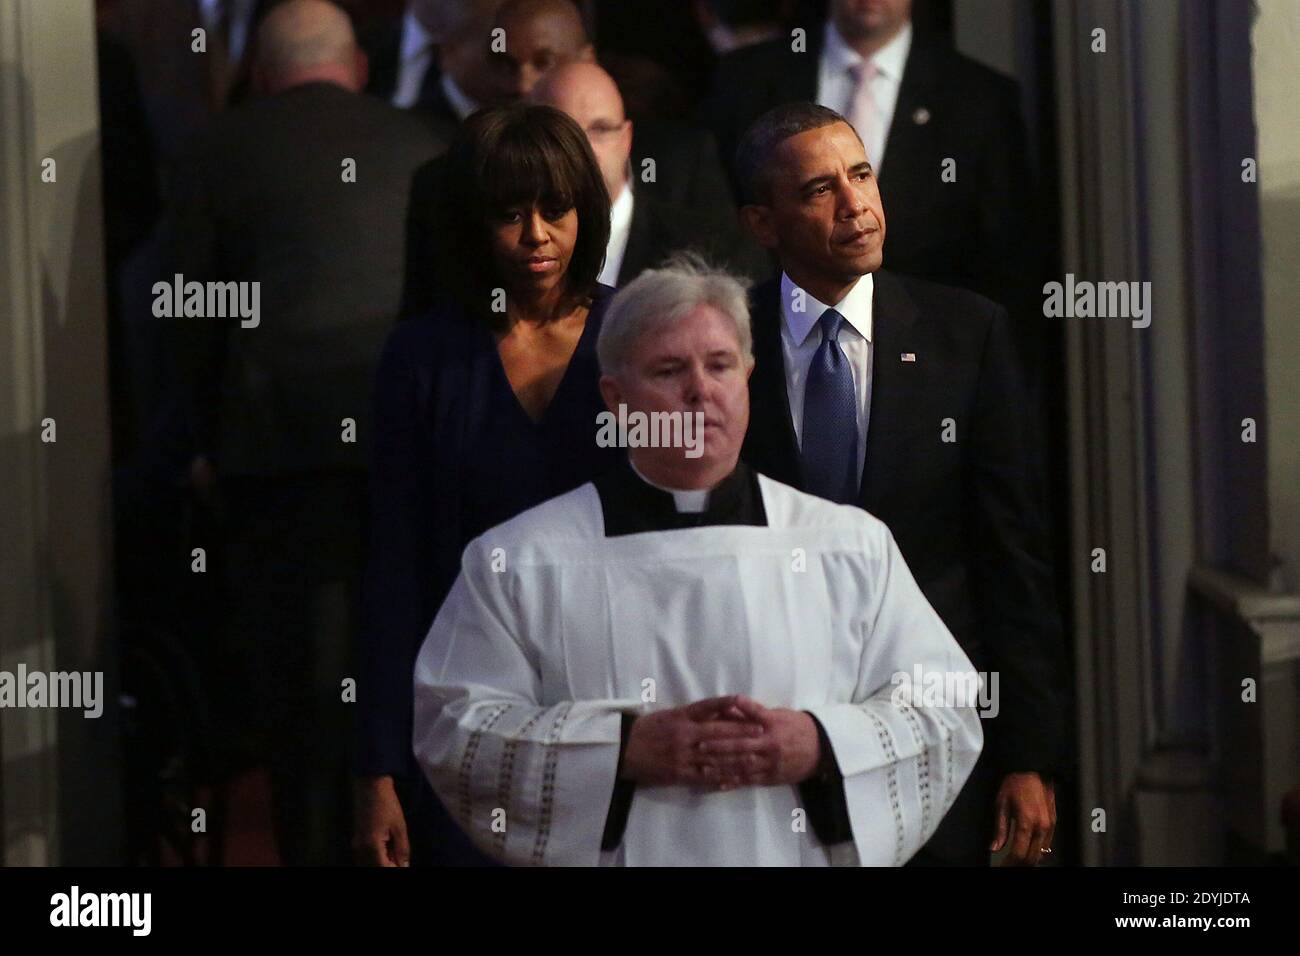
(765, 134)
(512, 156)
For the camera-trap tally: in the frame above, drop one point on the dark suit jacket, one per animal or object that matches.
(661, 228)
(689, 171)
(977, 232)
(962, 512)
(262, 199)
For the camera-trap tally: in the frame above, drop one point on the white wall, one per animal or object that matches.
(1276, 37)
(59, 794)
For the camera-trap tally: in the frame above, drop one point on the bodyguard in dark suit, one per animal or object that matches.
(919, 105)
(299, 198)
(900, 396)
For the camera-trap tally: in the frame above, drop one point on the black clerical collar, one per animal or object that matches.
(631, 506)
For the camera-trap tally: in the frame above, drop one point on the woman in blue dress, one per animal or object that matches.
(485, 407)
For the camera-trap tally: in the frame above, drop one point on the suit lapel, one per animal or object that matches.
(771, 444)
(895, 331)
(908, 139)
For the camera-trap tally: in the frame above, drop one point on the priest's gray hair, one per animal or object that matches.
(658, 298)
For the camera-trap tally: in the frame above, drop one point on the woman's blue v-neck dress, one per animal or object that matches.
(455, 454)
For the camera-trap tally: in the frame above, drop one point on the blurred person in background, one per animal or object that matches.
(277, 409)
(735, 24)
(435, 58)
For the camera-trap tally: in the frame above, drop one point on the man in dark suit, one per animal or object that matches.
(900, 396)
(435, 59)
(296, 198)
(944, 134)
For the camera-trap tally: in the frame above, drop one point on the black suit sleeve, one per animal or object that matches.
(822, 795)
(620, 803)
(1012, 572)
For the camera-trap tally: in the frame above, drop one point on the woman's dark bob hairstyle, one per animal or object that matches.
(512, 156)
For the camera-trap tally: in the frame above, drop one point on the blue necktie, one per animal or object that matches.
(830, 419)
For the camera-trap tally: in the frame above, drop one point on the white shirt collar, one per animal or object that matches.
(416, 40)
(461, 104)
(856, 307)
(690, 501)
(890, 59)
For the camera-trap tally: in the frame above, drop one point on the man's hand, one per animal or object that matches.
(664, 748)
(1026, 810)
(787, 752)
(380, 831)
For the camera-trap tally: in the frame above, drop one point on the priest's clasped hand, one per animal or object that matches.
(722, 743)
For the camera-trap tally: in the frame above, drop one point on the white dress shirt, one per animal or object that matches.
(836, 83)
(620, 225)
(414, 60)
(801, 336)
(240, 21)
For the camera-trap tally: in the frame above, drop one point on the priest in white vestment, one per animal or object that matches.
(685, 662)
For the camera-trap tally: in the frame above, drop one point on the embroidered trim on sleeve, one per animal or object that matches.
(922, 765)
(891, 755)
(505, 776)
(464, 790)
(547, 802)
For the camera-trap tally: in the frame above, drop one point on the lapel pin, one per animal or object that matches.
(921, 116)
(909, 356)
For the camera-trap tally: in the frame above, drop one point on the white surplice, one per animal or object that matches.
(552, 631)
